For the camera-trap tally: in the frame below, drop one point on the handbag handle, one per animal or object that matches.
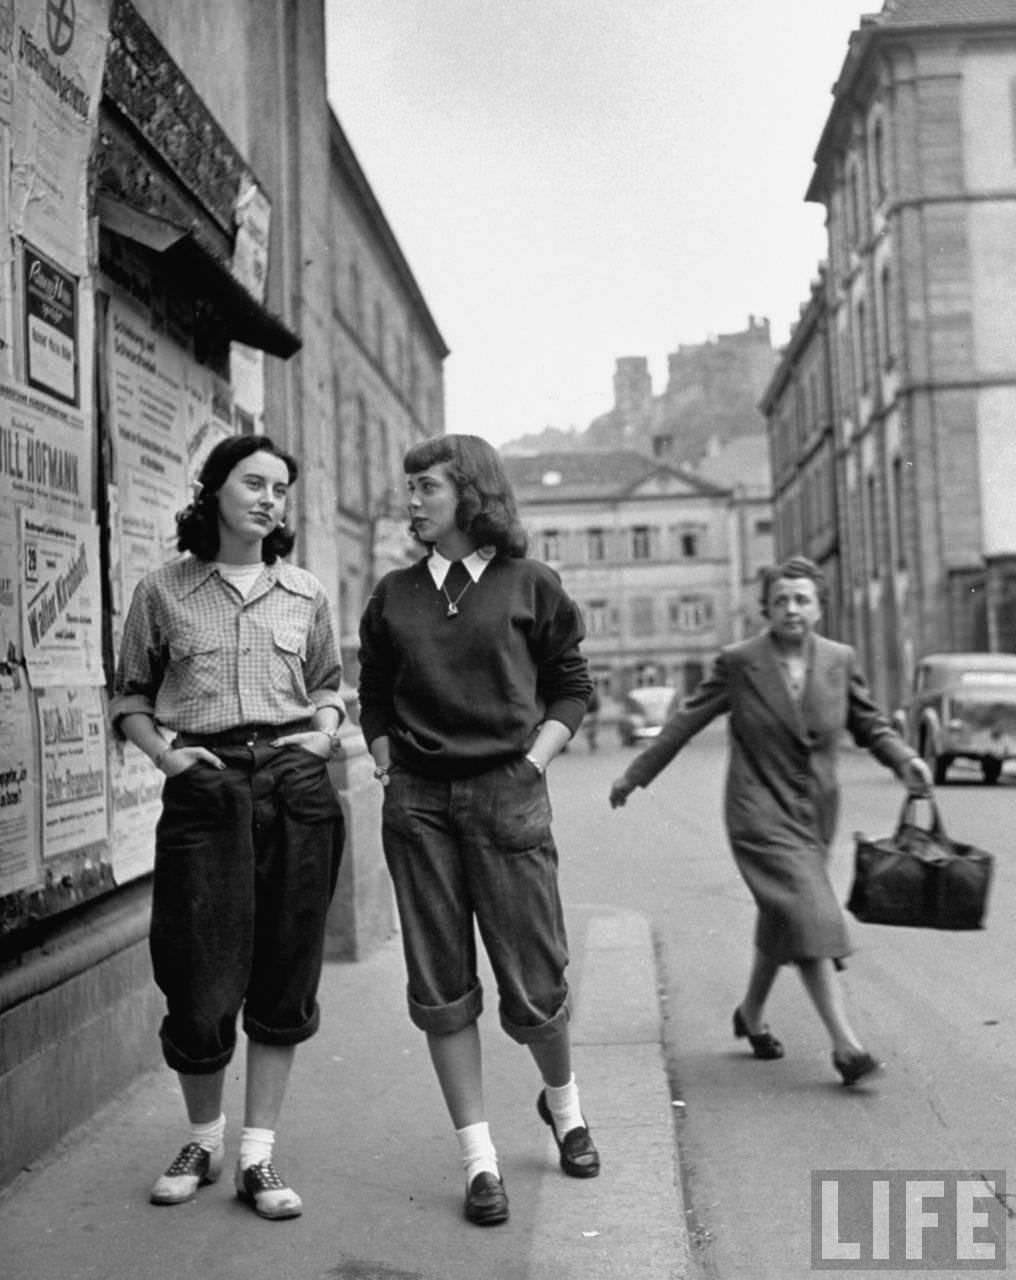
(908, 815)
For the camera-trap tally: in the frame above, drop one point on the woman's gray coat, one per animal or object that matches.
(782, 798)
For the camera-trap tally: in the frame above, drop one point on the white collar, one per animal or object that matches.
(475, 564)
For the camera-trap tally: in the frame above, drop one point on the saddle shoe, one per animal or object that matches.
(193, 1167)
(261, 1187)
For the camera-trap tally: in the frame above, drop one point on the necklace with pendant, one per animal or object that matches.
(453, 605)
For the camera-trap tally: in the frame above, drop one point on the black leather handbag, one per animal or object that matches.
(919, 876)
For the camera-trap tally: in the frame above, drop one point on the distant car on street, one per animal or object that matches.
(643, 712)
(963, 707)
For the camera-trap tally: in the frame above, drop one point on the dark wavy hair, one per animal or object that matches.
(197, 526)
(793, 567)
(486, 509)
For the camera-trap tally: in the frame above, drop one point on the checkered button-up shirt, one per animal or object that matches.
(199, 658)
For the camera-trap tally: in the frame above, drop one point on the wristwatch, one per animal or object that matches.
(334, 737)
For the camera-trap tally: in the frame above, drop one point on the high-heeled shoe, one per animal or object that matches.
(855, 1066)
(764, 1045)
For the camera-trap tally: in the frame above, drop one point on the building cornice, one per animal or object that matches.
(810, 324)
(854, 85)
(344, 158)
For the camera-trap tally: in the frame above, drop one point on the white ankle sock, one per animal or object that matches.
(255, 1145)
(209, 1136)
(478, 1154)
(563, 1104)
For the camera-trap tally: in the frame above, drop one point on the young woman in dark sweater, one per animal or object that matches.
(471, 681)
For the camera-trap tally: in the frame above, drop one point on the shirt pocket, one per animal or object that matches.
(287, 654)
(195, 668)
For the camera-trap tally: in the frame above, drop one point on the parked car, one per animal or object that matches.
(963, 707)
(643, 712)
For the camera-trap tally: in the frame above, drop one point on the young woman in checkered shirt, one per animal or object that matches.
(228, 679)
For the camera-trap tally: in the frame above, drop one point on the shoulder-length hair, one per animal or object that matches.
(197, 526)
(486, 510)
(793, 567)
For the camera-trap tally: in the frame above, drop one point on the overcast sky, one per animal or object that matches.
(577, 180)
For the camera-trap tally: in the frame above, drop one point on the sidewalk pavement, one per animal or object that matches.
(365, 1139)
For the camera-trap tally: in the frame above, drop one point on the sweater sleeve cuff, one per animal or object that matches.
(569, 711)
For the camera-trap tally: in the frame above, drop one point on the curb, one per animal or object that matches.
(630, 1223)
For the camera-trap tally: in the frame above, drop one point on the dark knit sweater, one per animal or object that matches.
(459, 695)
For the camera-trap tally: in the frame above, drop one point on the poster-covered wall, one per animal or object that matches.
(166, 412)
(89, 486)
(54, 817)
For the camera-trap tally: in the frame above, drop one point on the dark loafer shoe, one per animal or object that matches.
(764, 1045)
(579, 1157)
(486, 1201)
(855, 1066)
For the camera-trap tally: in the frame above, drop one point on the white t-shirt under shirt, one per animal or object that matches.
(240, 576)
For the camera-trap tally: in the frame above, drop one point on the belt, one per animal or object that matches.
(243, 735)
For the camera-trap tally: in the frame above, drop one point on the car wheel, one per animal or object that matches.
(938, 765)
(992, 770)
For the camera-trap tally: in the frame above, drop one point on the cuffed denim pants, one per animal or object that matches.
(246, 864)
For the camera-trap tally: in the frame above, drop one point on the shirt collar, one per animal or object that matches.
(194, 573)
(475, 564)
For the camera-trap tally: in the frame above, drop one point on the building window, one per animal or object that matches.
(690, 543)
(871, 527)
(379, 333)
(887, 317)
(690, 613)
(400, 363)
(855, 208)
(642, 616)
(878, 151)
(550, 545)
(763, 528)
(640, 549)
(596, 545)
(898, 526)
(356, 295)
(862, 347)
(363, 452)
(597, 618)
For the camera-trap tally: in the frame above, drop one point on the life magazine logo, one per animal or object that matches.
(908, 1220)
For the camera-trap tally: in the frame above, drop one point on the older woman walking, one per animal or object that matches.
(789, 694)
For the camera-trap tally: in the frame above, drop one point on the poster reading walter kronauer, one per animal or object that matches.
(61, 600)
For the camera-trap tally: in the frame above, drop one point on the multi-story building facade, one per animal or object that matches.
(741, 466)
(645, 549)
(802, 449)
(916, 168)
(387, 385)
